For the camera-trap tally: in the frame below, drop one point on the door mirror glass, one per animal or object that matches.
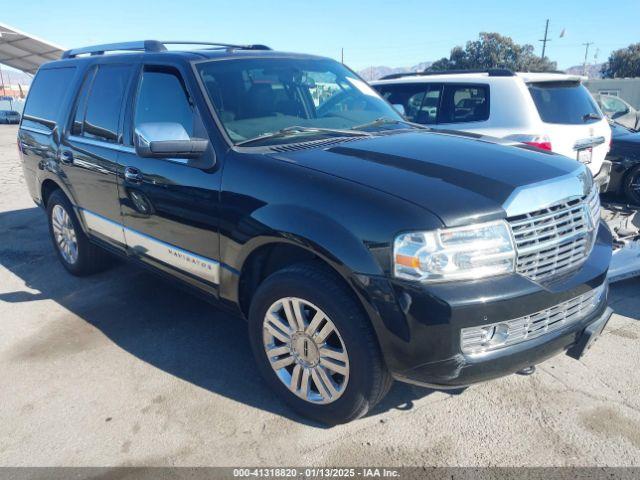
(167, 140)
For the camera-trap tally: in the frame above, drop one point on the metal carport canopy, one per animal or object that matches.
(25, 52)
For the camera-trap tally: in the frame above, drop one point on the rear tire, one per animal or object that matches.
(306, 357)
(632, 185)
(74, 250)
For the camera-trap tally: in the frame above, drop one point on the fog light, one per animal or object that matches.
(480, 339)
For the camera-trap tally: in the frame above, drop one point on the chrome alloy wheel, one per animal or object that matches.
(65, 234)
(306, 350)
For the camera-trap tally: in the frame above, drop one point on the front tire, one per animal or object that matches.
(314, 345)
(74, 250)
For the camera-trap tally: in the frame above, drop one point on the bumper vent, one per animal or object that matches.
(484, 338)
(556, 240)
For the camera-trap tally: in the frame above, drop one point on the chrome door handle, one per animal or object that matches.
(132, 175)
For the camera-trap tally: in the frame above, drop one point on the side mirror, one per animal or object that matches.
(400, 108)
(167, 140)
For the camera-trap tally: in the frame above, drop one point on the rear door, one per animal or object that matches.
(90, 148)
(573, 121)
(170, 206)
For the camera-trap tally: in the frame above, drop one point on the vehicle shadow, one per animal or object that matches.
(151, 318)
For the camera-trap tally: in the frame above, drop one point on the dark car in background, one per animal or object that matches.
(618, 110)
(625, 159)
(9, 116)
(361, 248)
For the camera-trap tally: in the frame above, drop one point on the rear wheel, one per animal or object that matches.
(76, 253)
(314, 345)
(632, 185)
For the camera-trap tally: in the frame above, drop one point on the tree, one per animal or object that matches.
(492, 50)
(623, 63)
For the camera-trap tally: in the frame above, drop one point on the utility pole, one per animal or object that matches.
(545, 39)
(342, 55)
(586, 52)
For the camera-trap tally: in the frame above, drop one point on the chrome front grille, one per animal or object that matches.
(483, 338)
(558, 239)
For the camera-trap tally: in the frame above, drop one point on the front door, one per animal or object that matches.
(170, 206)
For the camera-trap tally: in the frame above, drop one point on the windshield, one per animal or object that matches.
(260, 97)
(564, 102)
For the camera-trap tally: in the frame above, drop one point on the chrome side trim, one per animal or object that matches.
(36, 130)
(588, 142)
(541, 195)
(178, 258)
(98, 143)
(104, 226)
(192, 263)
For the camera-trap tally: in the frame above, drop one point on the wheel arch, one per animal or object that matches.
(293, 234)
(47, 187)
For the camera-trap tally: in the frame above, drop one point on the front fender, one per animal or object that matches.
(314, 231)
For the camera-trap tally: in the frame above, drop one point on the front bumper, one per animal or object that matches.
(419, 326)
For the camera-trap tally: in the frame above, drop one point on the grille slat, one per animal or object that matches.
(536, 324)
(557, 239)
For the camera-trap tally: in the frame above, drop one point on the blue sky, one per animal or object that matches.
(392, 32)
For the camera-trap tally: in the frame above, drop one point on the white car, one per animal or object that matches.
(552, 111)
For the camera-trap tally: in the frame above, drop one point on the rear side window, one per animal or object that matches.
(104, 103)
(81, 102)
(49, 89)
(464, 103)
(421, 101)
(564, 102)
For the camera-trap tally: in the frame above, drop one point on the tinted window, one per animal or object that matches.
(81, 103)
(613, 106)
(105, 101)
(564, 102)
(421, 101)
(162, 98)
(48, 91)
(255, 97)
(464, 103)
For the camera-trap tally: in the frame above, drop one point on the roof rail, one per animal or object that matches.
(151, 46)
(217, 44)
(493, 72)
(144, 46)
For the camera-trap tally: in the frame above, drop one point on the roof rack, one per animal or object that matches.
(152, 46)
(493, 72)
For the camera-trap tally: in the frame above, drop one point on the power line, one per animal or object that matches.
(545, 39)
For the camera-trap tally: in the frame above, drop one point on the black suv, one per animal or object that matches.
(360, 247)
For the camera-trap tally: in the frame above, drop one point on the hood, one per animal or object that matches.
(461, 179)
(625, 143)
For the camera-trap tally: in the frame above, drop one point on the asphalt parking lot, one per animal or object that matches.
(124, 369)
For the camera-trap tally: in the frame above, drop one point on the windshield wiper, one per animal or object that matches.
(387, 121)
(295, 130)
(590, 116)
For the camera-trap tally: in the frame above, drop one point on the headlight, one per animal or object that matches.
(463, 253)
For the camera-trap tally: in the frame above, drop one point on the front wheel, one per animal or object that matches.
(632, 185)
(315, 347)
